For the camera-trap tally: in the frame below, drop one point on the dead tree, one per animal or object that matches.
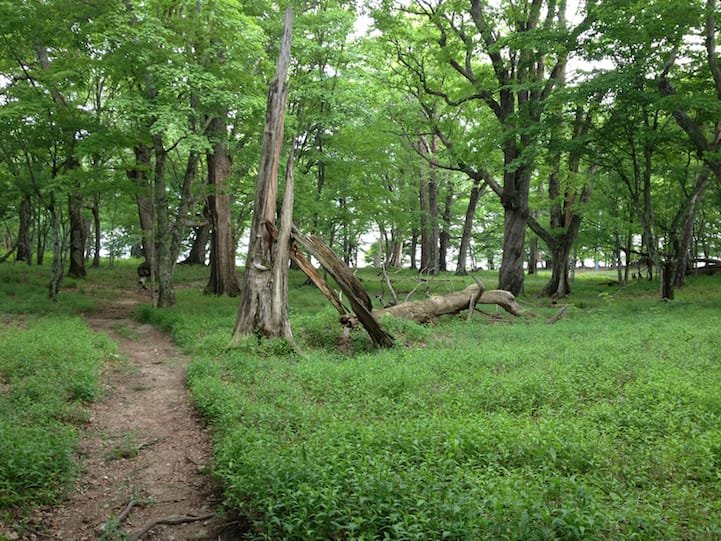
(264, 296)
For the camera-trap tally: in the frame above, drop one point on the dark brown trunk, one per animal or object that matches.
(559, 284)
(223, 278)
(445, 237)
(533, 255)
(667, 279)
(164, 263)
(96, 222)
(144, 200)
(58, 239)
(476, 192)
(514, 198)
(77, 236)
(413, 248)
(24, 242)
(425, 236)
(198, 251)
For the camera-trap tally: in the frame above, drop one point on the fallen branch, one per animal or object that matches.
(4, 258)
(563, 312)
(169, 521)
(389, 284)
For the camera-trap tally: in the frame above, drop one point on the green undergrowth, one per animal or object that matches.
(605, 425)
(49, 371)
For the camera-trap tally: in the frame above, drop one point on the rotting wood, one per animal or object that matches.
(350, 285)
(314, 276)
(426, 310)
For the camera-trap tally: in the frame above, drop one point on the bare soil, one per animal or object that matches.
(144, 452)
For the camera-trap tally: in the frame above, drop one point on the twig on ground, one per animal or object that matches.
(125, 512)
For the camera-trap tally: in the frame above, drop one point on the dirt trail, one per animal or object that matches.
(143, 444)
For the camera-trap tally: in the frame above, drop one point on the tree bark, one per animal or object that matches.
(349, 284)
(476, 192)
(144, 200)
(256, 313)
(533, 255)
(96, 222)
(223, 278)
(201, 237)
(77, 236)
(58, 238)
(428, 198)
(427, 310)
(445, 236)
(24, 244)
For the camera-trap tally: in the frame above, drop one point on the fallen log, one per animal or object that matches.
(427, 310)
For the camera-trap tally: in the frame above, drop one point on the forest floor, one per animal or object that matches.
(144, 452)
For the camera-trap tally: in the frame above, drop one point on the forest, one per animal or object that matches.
(427, 269)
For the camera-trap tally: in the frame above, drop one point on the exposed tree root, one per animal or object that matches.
(168, 521)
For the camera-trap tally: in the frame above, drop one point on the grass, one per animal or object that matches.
(603, 426)
(49, 371)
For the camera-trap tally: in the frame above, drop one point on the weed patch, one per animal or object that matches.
(49, 370)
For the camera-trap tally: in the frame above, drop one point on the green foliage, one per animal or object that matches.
(49, 370)
(602, 426)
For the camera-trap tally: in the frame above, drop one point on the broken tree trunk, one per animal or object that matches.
(263, 305)
(349, 284)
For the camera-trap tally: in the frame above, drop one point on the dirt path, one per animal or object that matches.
(144, 444)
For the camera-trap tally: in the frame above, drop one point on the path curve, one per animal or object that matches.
(143, 444)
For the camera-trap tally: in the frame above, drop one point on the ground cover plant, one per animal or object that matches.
(49, 372)
(602, 426)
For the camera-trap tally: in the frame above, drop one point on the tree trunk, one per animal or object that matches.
(144, 201)
(511, 274)
(223, 279)
(201, 236)
(476, 192)
(257, 313)
(430, 232)
(559, 285)
(413, 248)
(58, 237)
(667, 279)
(445, 238)
(24, 244)
(96, 221)
(77, 236)
(41, 234)
(164, 263)
(682, 242)
(533, 255)
(426, 310)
